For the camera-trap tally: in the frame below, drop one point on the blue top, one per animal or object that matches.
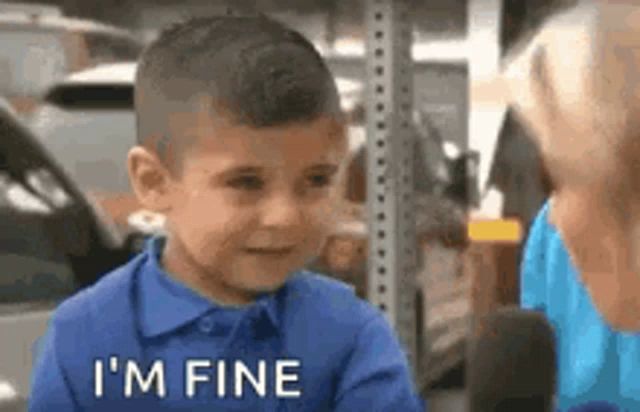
(596, 363)
(349, 357)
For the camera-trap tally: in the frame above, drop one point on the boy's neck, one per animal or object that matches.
(179, 265)
(601, 228)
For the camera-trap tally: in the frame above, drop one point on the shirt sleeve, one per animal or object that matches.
(533, 267)
(377, 376)
(49, 385)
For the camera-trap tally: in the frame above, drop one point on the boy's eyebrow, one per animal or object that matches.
(324, 167)
(238, 170)
(220, 175)
(242, 170)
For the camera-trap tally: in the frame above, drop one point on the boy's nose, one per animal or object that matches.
(281, 211)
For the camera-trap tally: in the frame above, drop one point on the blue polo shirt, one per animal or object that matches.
(595, 363)
(348, 357)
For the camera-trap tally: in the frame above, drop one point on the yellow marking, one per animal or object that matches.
(503, 230)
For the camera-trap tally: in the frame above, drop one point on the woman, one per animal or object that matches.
(574, 86)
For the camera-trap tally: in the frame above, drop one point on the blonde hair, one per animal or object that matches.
(576, 85)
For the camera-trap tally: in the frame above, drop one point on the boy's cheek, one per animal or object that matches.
(326, 222)
(331, 206)
(316, 230)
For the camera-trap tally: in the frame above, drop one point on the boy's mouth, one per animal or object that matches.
(275, 252)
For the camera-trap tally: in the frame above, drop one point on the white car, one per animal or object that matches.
(87, 122)
(39, 46)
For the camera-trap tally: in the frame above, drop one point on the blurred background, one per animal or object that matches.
(66, 122)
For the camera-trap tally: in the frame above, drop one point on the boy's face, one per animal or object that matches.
(252, 205)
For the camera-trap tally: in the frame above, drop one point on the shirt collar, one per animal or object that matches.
(268, 304)
(166, 304)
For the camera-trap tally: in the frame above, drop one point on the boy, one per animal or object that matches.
(241, 143)
(580, 266)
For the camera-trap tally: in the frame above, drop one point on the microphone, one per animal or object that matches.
(512, 363)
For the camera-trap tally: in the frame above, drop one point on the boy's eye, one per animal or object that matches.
(319, 180)
(247, 183)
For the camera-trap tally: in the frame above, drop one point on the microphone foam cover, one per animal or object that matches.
(512, 363)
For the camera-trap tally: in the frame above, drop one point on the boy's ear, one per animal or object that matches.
(150, 179)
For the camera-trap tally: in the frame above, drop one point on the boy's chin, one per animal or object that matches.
(255, 285)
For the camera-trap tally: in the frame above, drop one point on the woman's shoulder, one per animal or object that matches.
(545, 255)
(541, 231)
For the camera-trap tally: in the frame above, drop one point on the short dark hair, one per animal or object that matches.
(258, 71)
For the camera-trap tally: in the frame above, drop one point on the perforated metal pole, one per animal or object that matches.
(392, 238)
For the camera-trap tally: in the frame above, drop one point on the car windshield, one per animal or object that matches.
(30, 61)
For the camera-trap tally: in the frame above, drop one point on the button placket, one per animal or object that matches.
(263, 328)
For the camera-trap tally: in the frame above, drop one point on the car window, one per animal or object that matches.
(30, 61)
(88, 96)
(33, 268)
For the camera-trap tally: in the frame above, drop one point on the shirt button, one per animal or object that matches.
(206, 324)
